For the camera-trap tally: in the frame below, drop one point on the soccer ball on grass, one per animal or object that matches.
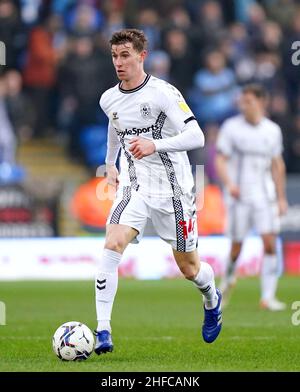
(73, 341)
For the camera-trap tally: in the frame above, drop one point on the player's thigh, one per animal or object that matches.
(127, 218)
(266, 218)
(238, 221)
(119, 236)
(175, 221)
(269, 241)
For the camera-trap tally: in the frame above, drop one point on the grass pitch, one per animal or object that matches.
(156, 327)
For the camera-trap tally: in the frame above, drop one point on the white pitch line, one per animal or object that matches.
(250, 325)
(234, 337)
(24, 338)
(252, 338)
(47, 338)
(149, 338)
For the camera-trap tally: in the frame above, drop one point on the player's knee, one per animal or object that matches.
(189, 271)
(235, 251)
(234, 256)
(117, 244)
(269, 248)
(269, 245)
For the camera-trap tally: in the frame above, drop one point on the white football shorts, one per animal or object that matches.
(262, 217)
(174, 219)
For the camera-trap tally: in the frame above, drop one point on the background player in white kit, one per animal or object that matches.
(153, 126)
(250, 165)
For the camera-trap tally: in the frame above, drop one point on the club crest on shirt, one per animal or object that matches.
(145, 110)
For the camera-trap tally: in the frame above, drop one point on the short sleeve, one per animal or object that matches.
(174, 106)
(224, 141)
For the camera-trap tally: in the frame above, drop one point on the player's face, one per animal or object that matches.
(250, 105)
(127, 61)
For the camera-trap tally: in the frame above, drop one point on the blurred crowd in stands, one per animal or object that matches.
(58, 64)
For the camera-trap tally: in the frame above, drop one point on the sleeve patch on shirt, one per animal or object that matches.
(184, 107)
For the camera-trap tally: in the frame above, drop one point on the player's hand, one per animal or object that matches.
(141, 147)
(112, 175)
(234, 191)
(282, 206)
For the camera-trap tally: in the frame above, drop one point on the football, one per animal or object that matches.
(73, 341)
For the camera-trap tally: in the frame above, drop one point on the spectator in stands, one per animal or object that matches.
(19, 106)
(158, 64)
(290, 71)
(30, 11)
(253, 36)
(238, 42)
(114, 21)
(213, 98)
(241, 9)
(148, 21)
(83, 77)
(294, 153)
(12, 33)
(260, 61)
(281, 11)
(40, 73)
(271, 39)
(182, 60)
(281, 114)
(236, 48)
(84, 19)
(59, 36)
(255, 21)
(61, 6)
(209, 26)
(179, 19)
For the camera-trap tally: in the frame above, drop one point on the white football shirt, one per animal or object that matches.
(154, 110)
(250, 149)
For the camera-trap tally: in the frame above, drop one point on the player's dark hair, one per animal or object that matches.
(136, 37)
(256, 89)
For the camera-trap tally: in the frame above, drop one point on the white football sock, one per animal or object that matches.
(269, 277)
(205, 282)
(106, 284)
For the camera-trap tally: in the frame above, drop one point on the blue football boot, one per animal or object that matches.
(212, 321)
(104, 342)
